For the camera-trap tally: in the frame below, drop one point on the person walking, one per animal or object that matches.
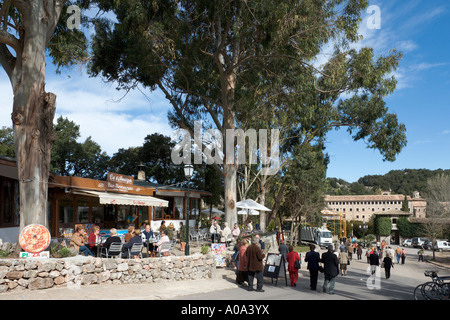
(420, 253)
(312, 258)
(291, 258)
(398, 253)
(374, 261)
(331, 269)
(255, 266)
(387, 264)
(343, 262)
(359, 252)
(403, 255)
(283, 249)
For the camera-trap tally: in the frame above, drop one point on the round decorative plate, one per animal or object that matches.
(34, 238)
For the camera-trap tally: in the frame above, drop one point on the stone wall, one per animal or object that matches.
(33, 274)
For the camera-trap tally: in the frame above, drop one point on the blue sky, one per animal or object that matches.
(420, 29)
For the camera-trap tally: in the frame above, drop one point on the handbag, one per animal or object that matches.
(297, 264)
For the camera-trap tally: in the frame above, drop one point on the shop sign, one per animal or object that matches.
(119, 182)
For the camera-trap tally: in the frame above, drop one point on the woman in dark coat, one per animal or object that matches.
(387, 264)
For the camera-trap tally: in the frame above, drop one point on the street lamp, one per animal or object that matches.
(364, 232)
(188, 172)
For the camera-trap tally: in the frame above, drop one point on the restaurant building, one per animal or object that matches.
(116, 202)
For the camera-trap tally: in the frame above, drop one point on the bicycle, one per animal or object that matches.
(436, 289)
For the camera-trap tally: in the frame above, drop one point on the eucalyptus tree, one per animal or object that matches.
(228, 62)
(29, 30)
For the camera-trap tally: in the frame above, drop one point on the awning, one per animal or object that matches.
(124, 199)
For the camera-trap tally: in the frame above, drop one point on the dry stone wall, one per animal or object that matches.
(35, 274)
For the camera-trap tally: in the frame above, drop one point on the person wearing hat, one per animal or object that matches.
(331, 269)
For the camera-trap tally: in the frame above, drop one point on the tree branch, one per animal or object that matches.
(10, 40)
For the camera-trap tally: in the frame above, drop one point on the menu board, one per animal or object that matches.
(275, 266)
(219, 251)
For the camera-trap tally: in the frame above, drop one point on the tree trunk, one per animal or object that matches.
(33, 113)
(262, 201)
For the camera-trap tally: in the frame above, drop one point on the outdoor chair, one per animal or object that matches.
(135, 250)
(172, 249)
(115, 249)
(195, 236)
(164, 249)
(228, 240)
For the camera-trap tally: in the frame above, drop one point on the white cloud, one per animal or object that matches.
(112, 120)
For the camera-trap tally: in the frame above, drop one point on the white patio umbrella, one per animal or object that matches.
(251, 204)
(250, 207)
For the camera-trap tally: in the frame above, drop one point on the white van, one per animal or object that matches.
(442, 245)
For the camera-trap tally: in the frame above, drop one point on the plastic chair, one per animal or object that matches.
(135, 250)
(115, 249)
(164, 249)
(172, 247)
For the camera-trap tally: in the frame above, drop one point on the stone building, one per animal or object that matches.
(362, 207)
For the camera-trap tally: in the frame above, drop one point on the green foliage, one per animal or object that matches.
(383, 226)
(405, 206)
(7, 142)
(156, 155)
(398, 181)
(205, 249)
(73, 158)
(406, 228)
(272, 226)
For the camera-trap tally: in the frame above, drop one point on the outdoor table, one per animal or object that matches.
(98, 245)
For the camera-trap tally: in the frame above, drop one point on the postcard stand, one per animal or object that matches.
(275, 266)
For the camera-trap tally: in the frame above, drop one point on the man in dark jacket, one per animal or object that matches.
(331, 269)
(135, 240)
(313, 259)
(374, 259)
(255, 266)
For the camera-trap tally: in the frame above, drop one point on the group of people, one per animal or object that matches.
(89, 245)
(249, 263)
(222, 235)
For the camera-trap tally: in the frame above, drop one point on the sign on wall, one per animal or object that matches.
(119, 182)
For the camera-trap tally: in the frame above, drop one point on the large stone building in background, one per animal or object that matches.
(362, 207)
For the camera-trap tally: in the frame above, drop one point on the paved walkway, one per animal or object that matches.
(223, 279)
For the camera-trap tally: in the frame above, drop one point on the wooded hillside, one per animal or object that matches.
(398, 181)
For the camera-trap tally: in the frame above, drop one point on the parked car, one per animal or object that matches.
(418, 242)
(407, 243)
(427, 245)
(442, 245)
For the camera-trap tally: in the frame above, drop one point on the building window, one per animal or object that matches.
(65, 210)
(9, 203)
(179, 208)
(82, 210)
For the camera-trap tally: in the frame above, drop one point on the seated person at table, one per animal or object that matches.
(113, 238)
(94, 239)
(148, 237)
(136, 239)
(78, 242)
(164, 238)
(130, 234)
